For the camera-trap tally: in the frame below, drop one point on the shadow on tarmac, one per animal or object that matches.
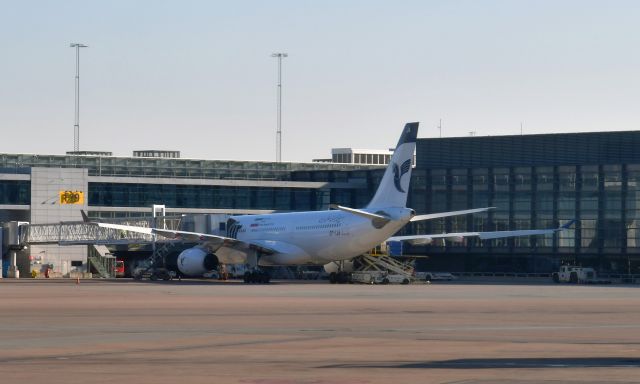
(204, 281)
(509, 363)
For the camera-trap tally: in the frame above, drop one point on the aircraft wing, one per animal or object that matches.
(431, 216)
(459, 236)
(214, 243)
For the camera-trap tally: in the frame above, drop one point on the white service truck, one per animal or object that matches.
(577, 275)
(379, 277)
(431, 276)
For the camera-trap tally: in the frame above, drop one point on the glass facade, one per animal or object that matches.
(199, 196)
(533, 181)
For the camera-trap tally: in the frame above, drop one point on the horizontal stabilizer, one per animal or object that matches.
(431, 216)
(362, 213)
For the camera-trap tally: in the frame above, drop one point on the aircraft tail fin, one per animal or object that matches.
(394, 187)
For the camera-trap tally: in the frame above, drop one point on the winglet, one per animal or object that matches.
(85, 218)
(569, 224)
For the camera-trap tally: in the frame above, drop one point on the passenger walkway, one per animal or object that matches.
(80, 233)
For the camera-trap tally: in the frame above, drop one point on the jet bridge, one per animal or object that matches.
(81, 233)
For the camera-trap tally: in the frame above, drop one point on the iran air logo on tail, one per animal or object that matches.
(398, 172)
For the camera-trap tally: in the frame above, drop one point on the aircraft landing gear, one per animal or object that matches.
(255, 274)
(257, 277)
(339, 277)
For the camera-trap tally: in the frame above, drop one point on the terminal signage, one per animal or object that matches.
(71, 197)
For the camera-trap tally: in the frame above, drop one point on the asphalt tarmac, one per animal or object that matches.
(203, 331)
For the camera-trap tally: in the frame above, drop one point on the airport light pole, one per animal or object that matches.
(279, 55)
(76, 125)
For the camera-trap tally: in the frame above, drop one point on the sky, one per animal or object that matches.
(198, 76)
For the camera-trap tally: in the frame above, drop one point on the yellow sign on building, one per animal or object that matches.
(71, 197)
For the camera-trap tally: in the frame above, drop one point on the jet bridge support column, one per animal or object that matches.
(157, 212)
(11, 240)
(13, 271)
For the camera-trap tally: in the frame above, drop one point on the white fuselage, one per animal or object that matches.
(316, 237)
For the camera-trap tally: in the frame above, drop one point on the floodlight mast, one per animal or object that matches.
(76, 125)
(279, 55)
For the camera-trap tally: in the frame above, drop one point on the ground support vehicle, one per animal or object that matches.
(153, 274)
(379, 277)
(577, 275)
(375, 269)
(118, 268)
(432, 276)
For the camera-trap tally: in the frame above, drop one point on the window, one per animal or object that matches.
(544, 178)
(588, 234)
(15, 192)
(199, 196)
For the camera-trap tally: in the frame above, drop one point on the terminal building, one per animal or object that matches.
(41, 189)
(533, 181)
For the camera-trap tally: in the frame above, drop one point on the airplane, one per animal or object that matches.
(318, 237)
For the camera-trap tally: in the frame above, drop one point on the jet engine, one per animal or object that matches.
(196, 261)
